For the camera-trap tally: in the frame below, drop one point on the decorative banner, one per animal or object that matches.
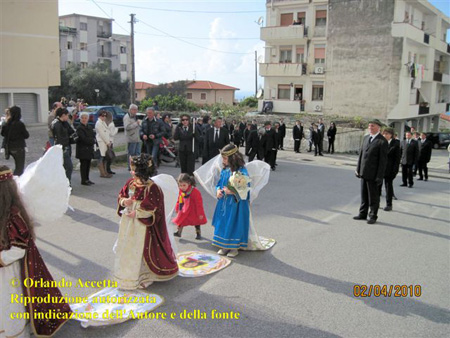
(198, 263)
(113, 306)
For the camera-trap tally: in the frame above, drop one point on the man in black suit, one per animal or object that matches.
(242, 127)
(410, 155)
(425, 149)
(392, 165)
(297, 133)
(269, 144)
(282, 131)
(253, 144)
(215, 139)
(321, 128)
(186, 134)
(278, 134)
(370, 169)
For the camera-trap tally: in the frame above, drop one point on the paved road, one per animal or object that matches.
(303, 286)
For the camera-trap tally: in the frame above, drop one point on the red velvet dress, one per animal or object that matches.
(191, 211)
(157, 251)
(33, 268)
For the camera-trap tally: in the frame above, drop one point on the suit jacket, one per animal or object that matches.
(186, 137)
(372, 158)
(254, 144)
(269, 141)
(321, 128)
(211, 148)
(282, 130)
(410, 152)
(425, 149)
(297, 132)
(393, 159)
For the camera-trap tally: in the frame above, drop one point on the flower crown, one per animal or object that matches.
(6, 175)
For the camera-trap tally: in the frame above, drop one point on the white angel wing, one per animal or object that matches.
(259, 172)
(208, 174)
(44, 187)
(169, 188)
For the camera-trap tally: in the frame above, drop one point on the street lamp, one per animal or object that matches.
(98, 93)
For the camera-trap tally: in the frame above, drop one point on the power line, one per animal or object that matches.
(190, 43)
(197, 38)
(96, 4)
(182, 10)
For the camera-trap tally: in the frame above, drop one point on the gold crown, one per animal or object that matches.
(5, 175)
(230, 152)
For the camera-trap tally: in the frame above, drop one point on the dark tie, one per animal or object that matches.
(217, 135)
(185, 129)
(370, 139)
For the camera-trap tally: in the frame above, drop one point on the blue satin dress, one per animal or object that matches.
(231, 218)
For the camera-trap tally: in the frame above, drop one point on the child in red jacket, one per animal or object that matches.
(189, 206)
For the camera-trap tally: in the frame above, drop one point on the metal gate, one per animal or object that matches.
(28, 103)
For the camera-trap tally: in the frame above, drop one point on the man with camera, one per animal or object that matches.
(64, 135)
(151, 134)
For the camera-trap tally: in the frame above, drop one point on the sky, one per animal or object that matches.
(185, 40)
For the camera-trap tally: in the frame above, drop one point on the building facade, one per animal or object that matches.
(385, 59)
(29, 57)
(208, 92)
(140, 89)
(87, 40)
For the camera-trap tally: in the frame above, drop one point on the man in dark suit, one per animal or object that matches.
(215, 139)
(282, 131)
(392, 165)
(187, 135)
(242, 127)
(269, 144)
(253, 145)
(370, 169)
(410, 155)
(321, 128)
(278, 139)
(425, 149)
(297, 133)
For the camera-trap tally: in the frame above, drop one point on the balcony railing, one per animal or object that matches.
(104, 35)
(283, 34)
(281, 69)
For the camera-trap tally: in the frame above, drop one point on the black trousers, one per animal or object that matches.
(423, 170)
(280, 146)
(85, 167)
(19, 160)
(370, 199)
(407, 174)
(321, 146)
(389, 187)
(331, 145)
(187, 162)
(297, 145)
(269, 158)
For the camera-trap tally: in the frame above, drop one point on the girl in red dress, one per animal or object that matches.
(189, 206)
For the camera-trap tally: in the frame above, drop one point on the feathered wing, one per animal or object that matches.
(169, 188)
(208, 174)
(44, 187)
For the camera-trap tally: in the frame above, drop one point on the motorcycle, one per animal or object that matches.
(168, 153)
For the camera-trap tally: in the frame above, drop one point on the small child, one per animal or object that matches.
(189, 206)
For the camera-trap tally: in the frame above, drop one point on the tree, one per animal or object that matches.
(169, 103)
(81, 83)
(177, 88)
(250, 101)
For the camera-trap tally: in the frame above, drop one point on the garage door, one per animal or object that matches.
(3, 103)
(28, 103)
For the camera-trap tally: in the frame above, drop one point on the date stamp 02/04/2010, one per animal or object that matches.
(378, 290)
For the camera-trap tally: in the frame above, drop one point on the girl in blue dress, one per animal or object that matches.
(231, 218)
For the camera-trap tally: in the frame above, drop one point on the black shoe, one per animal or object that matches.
(426, 179)
(420, 179)
(111, 172)
(276, 164)
(198, 236)
(410, 186)
(177, 234)
(85, 183)
(371, 221)
(403, 185)
(90, 182)
(395, 197)
(309, 151)
(273, 168)
(281, 148)
(360, 217)
(388, 208)
(320, 154)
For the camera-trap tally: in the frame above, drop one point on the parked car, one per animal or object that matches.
(439, 139)
(116, 112)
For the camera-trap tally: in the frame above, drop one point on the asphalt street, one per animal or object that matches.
(303, 286)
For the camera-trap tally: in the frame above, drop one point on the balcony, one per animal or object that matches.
(445, 79)
(104, 35)
(437, 77)
(283, 35)
(280, 69)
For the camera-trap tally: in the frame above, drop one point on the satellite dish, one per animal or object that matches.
(260, 93)
(260, 59)
(260, 20)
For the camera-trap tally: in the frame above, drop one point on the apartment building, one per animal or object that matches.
(385, 59)
(29, 58)
(86, 40)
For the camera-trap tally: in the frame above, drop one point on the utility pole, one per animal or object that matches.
(133, 80)
(256, 73)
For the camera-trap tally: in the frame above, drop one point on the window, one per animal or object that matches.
(286, 19)
(301, 16)
(203, 96)
(83, 46)
(319, 55)
(285, 54)
(317, 92)
(69, 44)
(423, 26)
(189, 96)
(83, 26)
(123, 50)
(123, 68)
(300, 54)
(406, 17)
(284, 92)
(321, 18)
(83, 65)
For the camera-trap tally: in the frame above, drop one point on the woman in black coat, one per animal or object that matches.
(15, 134)
(85, 148)
(331, 133)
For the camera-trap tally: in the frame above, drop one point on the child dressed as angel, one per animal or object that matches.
(231, 218)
